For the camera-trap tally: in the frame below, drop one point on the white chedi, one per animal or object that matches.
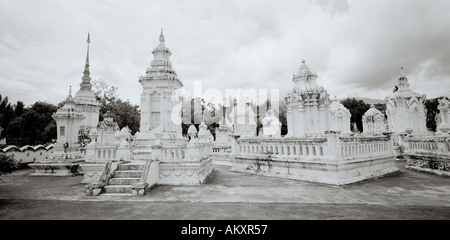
(443, 117)
(271, 124)
(204, 133)
(192, 132)
(405, 108)
(339, 117)
(373, 121)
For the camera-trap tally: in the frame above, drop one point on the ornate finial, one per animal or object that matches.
(402, 73)
(69, 98)
(372, 106)
(161, 37)
(303, 61)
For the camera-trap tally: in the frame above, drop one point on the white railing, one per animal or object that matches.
(427, 145)
(329, 147)
(172, 153)
(101, 153)
(365, 146)
(279, 147)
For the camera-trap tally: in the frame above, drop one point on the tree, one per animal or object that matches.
(19, 109)
(431, 112)
(357, 108)
(35, 121)
(123, 112)
(104, 90)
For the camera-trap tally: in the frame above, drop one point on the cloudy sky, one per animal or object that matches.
(355, 47)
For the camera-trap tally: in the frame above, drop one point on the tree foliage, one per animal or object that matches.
(7, 164)
(431, 112)
(31, 125)
(357, 108)
(123, 112)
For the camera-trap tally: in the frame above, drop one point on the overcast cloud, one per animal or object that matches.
(355, 47)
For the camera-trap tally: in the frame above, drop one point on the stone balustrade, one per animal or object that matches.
(318, 147)
(172, 153)
(427, 145)
(99, 153)
(327, 158)
(283, 148)
(354, 147)
(428, 154)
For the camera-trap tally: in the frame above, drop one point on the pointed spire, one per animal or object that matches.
(86, 79)
(161, 37)
(402, 73)
(69, 98)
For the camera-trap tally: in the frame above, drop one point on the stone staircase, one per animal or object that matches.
(123, 178)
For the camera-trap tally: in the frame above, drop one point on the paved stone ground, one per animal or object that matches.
(227, 195)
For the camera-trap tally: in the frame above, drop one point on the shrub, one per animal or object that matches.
(7, 164)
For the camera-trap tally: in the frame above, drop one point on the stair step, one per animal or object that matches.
(118, 189)
(117, 194)
(130, 166)
(123, 181)
(127, 174)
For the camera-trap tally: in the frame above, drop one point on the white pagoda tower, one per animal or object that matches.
(157, 105)
(66, 157)
(68, 119)
(307, 105)
(405, 109)
(85, 98)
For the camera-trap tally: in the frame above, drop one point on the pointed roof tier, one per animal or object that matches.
(372, 113)
(86, 83)
(68, 110)
(161, 67)
(402, 90)
(306, 87)
(85, 95)
(338, 109)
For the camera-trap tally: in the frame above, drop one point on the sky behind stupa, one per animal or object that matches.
(355, 47)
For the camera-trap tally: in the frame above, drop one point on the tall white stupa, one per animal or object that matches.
(159, 112)
(85, 100)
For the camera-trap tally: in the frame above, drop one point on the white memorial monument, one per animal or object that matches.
(160, 154)
(243, 117)
(319, 146)
(85, 99)
(66, 157)
(405, 109)
(373, 121)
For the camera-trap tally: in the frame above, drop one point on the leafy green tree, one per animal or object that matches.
(357, 108)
